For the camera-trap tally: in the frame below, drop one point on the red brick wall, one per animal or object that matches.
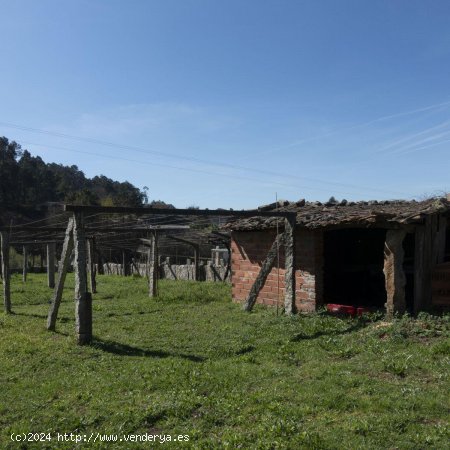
(248, 251)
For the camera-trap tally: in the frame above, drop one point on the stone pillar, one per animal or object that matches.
(5, 271)
(51, 250)
(395, 279)
(83, 299)
(289, 251)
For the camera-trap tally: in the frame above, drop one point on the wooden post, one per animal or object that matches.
(289, 246)
(196, 261)
(433, 233)
(228, 271)
(395, 279)
(429, 251)
(100, 260)
(420, 265)
(440, 239)
(25, 264)
(135, 266)
(263, 274)
(153, 267)
(51, 250)
(83, 299)
(148, 261)
(125, 263)
(5, 271)
(62, 272)
(91, 265)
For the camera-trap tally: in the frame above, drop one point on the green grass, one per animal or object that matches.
(192, 362)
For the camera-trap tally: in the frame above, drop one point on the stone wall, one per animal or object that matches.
(248, 251)
(208, 272)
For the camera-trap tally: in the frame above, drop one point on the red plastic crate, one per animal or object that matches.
(348, 310)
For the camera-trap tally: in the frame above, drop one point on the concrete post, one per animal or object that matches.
(5, 272)
(83, 299)
(51, 250)
(25, 264)
(153, 268)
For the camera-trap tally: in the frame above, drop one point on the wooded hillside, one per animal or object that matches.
(27, 180)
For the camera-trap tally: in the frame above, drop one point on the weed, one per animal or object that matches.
(397, 365)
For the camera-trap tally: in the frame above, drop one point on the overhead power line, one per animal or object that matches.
(190, 159)
(209, 172)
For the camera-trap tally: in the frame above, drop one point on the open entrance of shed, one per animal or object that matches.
(409, 246)
(353, 267)
(447, 243)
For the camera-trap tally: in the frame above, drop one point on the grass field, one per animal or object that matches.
(193, 363)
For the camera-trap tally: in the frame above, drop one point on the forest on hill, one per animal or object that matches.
(27, 181)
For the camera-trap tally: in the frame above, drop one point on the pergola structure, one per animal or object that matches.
(86, 227)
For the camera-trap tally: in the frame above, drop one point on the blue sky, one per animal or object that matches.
(229, 103)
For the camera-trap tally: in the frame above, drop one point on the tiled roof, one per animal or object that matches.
(364, 213)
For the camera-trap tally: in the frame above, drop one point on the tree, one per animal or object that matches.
(9, 152)
(84, 197)
(68, 179)
(36, 182)
(28, 180)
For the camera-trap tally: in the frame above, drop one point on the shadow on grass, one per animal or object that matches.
(37, 316)
(303, 336)
(128, 350)
(66, 319)
(41, 316)
(138, 313)
(245, 350)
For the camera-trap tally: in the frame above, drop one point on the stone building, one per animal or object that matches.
(369, 254)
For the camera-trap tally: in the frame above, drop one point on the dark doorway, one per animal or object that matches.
(408, 268)
(447, 244)
(353, 269)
